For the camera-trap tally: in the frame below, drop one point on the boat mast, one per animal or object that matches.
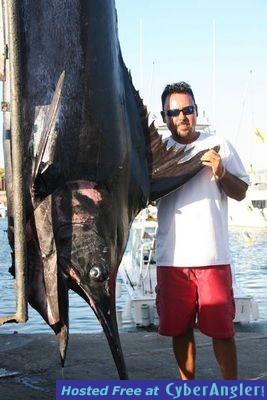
(214, 74)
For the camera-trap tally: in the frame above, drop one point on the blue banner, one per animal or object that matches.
(162, 390)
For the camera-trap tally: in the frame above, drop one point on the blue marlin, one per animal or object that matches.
(92, 161)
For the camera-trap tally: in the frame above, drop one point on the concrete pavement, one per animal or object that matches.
(30, 364)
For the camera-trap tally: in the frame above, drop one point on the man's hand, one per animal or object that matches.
(213, 160)
(231, 185)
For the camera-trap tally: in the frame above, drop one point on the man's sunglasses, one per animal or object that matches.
(175, 112)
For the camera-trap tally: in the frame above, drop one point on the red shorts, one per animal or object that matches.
(195, 297)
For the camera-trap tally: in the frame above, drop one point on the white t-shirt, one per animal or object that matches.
(193, 220)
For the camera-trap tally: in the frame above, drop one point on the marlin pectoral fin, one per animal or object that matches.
(47, 288)
(48, 127)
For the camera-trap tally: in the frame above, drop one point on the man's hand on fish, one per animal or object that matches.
(213, 160)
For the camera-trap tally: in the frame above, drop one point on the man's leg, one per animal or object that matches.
(225, 353)
(217, 311)
(185, 353)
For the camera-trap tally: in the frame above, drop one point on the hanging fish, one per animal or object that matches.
(92, 161)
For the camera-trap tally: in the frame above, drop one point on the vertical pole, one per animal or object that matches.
(213, 74)
(17, 147)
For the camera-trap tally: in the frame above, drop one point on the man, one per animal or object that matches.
(194, 286)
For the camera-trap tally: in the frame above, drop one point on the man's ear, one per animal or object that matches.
(163, 116)
(196, 109)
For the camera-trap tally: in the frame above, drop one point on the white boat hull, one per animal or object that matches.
(252, 211)
(243, 214)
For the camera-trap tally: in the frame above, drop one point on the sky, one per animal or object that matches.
(218, 47)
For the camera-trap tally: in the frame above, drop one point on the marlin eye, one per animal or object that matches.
(98, 273)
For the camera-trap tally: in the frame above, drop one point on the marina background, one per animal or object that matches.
(249, 260)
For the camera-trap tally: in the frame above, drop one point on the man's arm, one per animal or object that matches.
(233, 186)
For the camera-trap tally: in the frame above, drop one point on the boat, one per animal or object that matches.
(3, 210)
(138, 273)
(252, 211)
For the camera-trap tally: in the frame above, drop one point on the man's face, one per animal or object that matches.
(181, 126)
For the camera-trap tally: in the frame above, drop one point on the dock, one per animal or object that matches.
(30, 364)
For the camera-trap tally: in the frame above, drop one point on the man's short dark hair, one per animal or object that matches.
(179, 87)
